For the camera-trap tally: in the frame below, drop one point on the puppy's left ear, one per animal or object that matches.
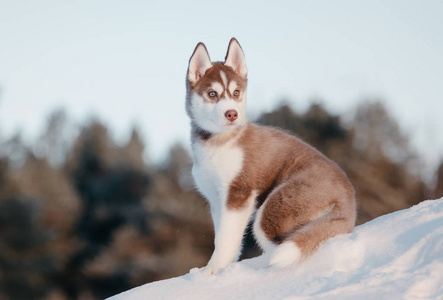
(235, 58)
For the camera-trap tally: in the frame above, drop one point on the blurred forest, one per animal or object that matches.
(82, 217)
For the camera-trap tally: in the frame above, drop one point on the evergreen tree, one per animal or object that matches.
(111, 194)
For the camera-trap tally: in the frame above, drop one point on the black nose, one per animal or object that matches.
(231, 115)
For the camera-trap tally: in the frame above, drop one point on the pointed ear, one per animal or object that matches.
(199, 63)
(235, 58)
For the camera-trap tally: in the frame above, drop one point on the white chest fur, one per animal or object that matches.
(214, 169)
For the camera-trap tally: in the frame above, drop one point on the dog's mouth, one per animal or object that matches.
(233, 124)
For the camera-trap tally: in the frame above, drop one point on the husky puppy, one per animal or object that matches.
(297, 197)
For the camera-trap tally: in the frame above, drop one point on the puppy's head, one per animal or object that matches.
(216, 92)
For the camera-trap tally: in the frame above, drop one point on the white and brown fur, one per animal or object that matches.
(298, 196)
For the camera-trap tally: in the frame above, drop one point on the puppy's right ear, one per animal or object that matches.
(199, 63)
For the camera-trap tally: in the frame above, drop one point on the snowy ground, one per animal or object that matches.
(396, 256)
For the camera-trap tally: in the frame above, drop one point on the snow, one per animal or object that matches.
(396, 256)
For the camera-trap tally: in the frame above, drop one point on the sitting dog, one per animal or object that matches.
(298, 197)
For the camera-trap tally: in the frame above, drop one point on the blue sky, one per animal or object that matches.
(125, 61)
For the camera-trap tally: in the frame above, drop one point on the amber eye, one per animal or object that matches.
(212, 94)
(236, 93)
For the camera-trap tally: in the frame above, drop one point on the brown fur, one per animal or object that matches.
(298, 183)
(307, 198)
(201, 87)
(213, 75)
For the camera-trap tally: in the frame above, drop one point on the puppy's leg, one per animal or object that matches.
(229, 234)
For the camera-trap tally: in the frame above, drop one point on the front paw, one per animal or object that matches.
(211, 270)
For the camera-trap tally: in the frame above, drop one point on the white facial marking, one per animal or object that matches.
(232, 87)
(224, 78)
(210, 115)
(216, 86)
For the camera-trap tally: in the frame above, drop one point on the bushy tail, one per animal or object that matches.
(305, 240)
(285, 255)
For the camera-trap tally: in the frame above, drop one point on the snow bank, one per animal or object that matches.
(396, 256)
